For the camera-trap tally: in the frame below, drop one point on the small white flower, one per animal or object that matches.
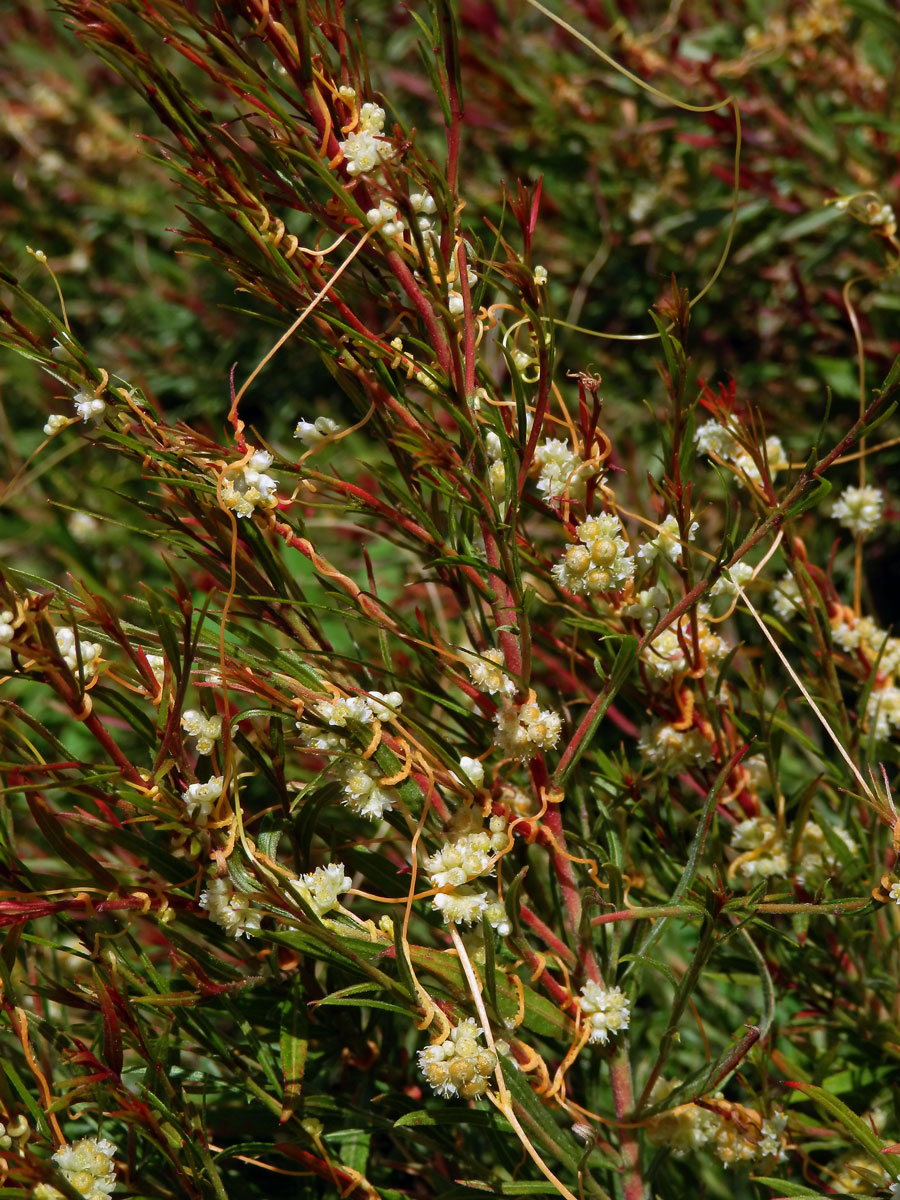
(715, 439)
(200, 798)
(88, 406)
(883, 711)
(894, 894)
(607, 1009)
(7, 633)
(859, 509)
(673, 750)
(540, 276)
(472, 769)
(562, 472)
(313, 433)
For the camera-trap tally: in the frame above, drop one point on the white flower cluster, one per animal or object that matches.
(460, 861)
(461, 907)
(313, 433)
(648, 606)
(524, 732)
(200, 798)
(599, 562)
(321, 889)
(375, 706)
(363, 791)
(862, 633)
(88, 1166)
(487, 674)
(424, 207)
(562, 472)
(229, 908)
(894, 893)
(386, 218)
(713, 438)
(673, 750)
(459, 1066)
(90, 652)
(7, 633)
(666, 543)
(859, 509)
(786, 598)
(766, 851)
(249, 488)
(205, 729)
(665, 657)
(157, 665)
(365, 148)
(857, 1175)
(883, 711)
(607, 1010)
(738, 1134)
(740, 574)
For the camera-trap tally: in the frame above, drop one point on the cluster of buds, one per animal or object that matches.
(470, 856)
(487, 674)
(459, 1066)
(738, 1134)
(859, 509)
(673, 750)
(524, 732)
(599, 562)
(766, 851)
(665, 656)
(71, 649)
